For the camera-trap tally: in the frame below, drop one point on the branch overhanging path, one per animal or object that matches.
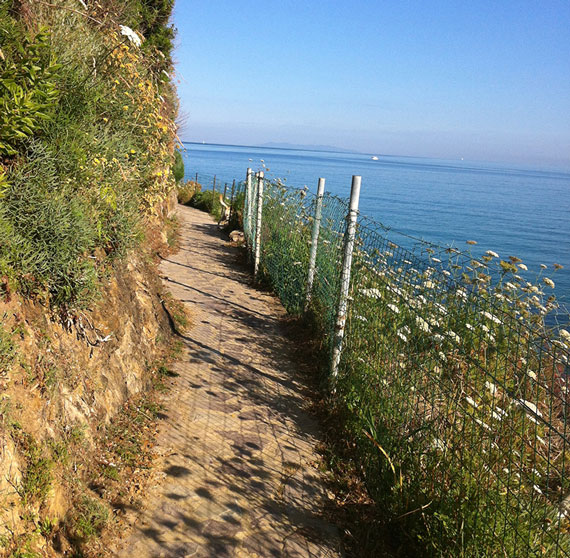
(238, 441)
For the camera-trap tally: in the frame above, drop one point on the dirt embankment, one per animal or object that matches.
(64, 378)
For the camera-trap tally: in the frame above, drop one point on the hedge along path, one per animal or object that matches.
(240, 476)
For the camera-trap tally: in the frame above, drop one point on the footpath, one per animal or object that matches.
(240, 476)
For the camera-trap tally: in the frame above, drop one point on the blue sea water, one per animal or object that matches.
(512, 210)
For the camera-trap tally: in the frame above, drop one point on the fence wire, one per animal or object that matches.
(455, 381)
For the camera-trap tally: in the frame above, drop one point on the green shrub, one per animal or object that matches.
(178, 167)
(7, 350)
(206, 201)
(28, 91)
(89, 519)
(187, 190)
(86, 143)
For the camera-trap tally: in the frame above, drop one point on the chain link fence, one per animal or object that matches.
(453, 374)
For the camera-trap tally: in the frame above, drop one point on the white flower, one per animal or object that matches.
(438, 444)
(492, 254)
(532, 407)
(531, 374)
(429, 285)
(471, 401)
(565, 334)
(454, 336)
(372, 293)
(422, 324)
(491, 387)
(402, 336)
(469, 327)
(523, 267)
(481, 423)
(490, 316)
(394, 308)
(133, 36)
(542, 266)
(548, 282)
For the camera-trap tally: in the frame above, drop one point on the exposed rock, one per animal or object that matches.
(237, 237)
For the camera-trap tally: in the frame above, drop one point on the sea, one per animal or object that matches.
(513, 210)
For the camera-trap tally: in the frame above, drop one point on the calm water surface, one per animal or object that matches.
(515, 211)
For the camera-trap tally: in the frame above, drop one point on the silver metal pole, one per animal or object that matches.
(314, 241)
(249, 198)
(258, 224)
(349, 237)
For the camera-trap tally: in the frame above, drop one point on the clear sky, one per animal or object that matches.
(486, 80)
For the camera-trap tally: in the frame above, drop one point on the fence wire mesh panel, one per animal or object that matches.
(454, 376)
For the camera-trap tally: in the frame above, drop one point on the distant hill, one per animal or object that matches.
(276, 145)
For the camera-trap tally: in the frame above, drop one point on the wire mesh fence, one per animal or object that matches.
(454, 378)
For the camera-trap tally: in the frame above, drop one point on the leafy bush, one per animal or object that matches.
(88, 519)
(28, 92)
(187, 190)
(86, 143)
(7, 351)
(178, 167)
(207, 201)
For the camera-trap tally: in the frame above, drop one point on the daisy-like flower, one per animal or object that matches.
(394, 308)
(471, 401)
(523, 267)
(565, 334)
(542, 266)
(133, 36)
(490, 316)
(548, 282)
(422, 324)
(492, 254)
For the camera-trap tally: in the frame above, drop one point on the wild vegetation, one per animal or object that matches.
(453, 384)
(87, 163)
(86, 140)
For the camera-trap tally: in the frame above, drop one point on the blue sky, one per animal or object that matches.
(480, 80)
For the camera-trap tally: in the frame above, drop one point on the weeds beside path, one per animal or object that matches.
(240, 475)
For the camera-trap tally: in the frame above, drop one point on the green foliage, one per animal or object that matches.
(37, 478)
(7, 350)
(207, 201)
(89, 518)
(85, 146)
(28, 91)
(187, 190)
(452, 387)
(178, 167)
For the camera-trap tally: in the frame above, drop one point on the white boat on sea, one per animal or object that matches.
(374, 158)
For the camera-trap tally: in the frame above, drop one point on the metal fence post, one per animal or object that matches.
(232, 200)
(254, 188)
(258, 224)
(349, 237)
(314, 242)
(249, 201)
(213, 194)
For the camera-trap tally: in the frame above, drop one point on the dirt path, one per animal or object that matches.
(240, 479)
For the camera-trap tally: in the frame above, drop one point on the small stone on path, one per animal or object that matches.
(238, 443)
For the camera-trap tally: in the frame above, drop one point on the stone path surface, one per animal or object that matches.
(240, 477)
